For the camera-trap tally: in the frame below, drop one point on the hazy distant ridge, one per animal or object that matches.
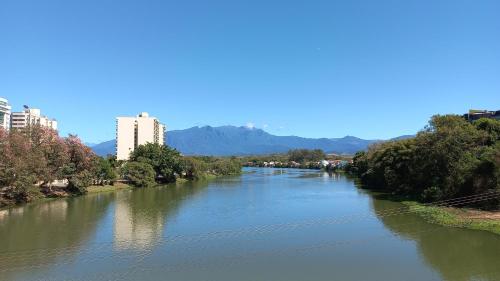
(231, 140)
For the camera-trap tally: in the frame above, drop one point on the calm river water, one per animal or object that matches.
(268, 224)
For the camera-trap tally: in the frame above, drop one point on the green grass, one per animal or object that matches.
(108, 188)
(209, 176)
(452, 217)
(181, 180)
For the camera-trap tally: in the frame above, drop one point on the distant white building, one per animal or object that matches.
(323, 163)
(31, 117)
(5, 112)
(134, 131)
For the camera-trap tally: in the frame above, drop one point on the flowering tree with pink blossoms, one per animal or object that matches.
(32, 158)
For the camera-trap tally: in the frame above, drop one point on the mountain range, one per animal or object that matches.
(232, 140)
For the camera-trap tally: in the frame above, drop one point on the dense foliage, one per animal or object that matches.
(106, 170)
(140, 174)
(166, 161)
(449, 158)
(306, 155)
(296, 158)
(220, 166)
(32, 159)
(168, 164)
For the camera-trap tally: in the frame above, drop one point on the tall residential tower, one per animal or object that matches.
(5, 112)
(134, 131)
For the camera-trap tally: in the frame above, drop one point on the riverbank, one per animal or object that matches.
(59, 193)
(108, 188)
(457, 217)
(117, 186)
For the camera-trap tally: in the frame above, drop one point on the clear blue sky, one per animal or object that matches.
(372, 69)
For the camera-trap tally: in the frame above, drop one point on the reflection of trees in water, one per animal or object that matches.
(457, 254)
(40, 236)
(35, 234)
(140, 215)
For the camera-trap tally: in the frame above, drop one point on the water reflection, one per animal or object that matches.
(141, 216)
(117, 235)
(456, 254)
(73, 233)
(311, 174)
(30, 234)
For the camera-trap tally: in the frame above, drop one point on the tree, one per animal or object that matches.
(105, 171)
(32, 158)
(194, 168)
(449, 158)
(82, 165)
(490, 127)
(78, 183)
(227, 167)
(48, 154)
(14, 170)
(359, 165)
(140, 174)
(166, 161)
(305, 155)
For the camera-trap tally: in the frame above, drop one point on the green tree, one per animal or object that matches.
(194, 168)
(166, 161)
(140, 174)
(105, 171)
(225, 167)
(78, 183)
(449, 158)
(306, 155)
(491, 128)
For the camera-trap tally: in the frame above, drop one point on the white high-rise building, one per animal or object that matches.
(31, 117)
(5, 112)
(134, 131)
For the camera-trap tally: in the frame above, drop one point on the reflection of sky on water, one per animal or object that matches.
(143, 234)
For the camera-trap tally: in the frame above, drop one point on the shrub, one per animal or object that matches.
(139, 174)
(194, 168)
(78, 184)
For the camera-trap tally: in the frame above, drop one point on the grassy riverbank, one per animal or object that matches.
(108, 188)
(94, 189)
(117, 186)
(457, 217)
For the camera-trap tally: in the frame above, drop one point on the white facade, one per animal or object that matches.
(131, 232)
(134, 131)
(31, 117)
(5, 113)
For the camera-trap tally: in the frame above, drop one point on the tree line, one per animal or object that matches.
(32, 159)
(450, 158)
(294, 158)
(151, 164)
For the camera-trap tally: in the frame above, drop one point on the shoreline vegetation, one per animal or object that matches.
(117, 186)
(451, 158)
(37, 163)
(468, 218)
(314, 159)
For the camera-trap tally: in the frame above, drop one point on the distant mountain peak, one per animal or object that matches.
(243, 140)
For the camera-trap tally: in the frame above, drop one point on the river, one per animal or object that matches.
(267, 224)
